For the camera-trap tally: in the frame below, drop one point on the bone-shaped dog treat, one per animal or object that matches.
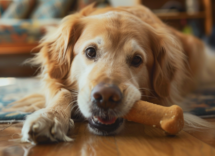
(170, 119)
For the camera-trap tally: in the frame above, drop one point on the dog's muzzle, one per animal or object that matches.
(105, 97)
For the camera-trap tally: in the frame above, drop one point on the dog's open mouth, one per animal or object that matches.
(105, 126)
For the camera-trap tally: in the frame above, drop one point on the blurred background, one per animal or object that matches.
(23, 22)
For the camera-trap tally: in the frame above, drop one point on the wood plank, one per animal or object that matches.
(17, 48)
(180, 15)
(85, 143)
(11, 65)
(135, 139)
(208, 136)
(208, 16)
(90, 144)
(141, 140)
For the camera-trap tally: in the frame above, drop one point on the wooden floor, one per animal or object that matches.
(135, 139)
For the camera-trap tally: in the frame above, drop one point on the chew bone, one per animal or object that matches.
(170, 119)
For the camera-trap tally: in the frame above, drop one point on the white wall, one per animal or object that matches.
(116, 3)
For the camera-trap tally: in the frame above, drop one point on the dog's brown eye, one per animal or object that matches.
(91, 52)
(136, 61)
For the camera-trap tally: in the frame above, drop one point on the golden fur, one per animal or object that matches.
(172, 64)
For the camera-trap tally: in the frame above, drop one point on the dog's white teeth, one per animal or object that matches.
(95, 118)
(99, 122)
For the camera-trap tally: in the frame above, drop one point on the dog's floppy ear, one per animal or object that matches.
(163, 73)
(165, 50)
(57, 47)
(89, 9)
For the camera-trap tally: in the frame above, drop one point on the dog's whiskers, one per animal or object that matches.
(77, 111)
(132, 77)
(153, 97)
(71, 103)
(145, 89)
(73, 106)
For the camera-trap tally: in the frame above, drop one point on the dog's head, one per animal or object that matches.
(115, 59)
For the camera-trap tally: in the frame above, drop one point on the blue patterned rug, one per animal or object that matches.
(202, 102)
(12, 89)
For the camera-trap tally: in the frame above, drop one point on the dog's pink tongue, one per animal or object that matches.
(107, 121)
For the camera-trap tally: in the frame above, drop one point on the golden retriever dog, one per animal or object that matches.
(103, 61)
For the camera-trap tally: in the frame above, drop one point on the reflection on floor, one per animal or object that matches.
(135, 139)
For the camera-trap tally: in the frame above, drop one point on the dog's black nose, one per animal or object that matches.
(106, 95)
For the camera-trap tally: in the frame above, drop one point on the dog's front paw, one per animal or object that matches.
(46, 126)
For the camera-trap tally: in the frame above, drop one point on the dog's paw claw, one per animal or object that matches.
(68, 139)
(71, 124)
(35, 127)
(46, 128)
(53, 131)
